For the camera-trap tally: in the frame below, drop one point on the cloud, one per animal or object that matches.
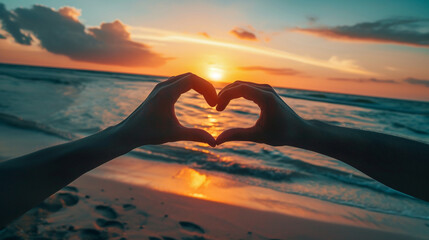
(416, 81)
(364, 80)
(344, 63)
(410, 80)
(70, 12)
(272, 71)
(62, 33)
(244, 34)
(204, 34)
(153, 34)
(312, 19)
(405, 31)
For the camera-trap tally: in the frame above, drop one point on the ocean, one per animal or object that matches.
(68, 104)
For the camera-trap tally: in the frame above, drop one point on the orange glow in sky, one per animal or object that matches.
(280, 52)
(215, 73)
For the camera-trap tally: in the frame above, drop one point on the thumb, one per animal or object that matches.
(236, 134)
(197, 135)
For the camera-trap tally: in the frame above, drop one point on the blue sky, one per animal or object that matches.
(276, 14)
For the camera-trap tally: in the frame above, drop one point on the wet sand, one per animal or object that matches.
(95, 208)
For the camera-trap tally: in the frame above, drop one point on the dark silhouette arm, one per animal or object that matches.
(26, 181)
(399, 163)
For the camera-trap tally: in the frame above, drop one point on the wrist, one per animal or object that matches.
(316, 134)
(118, 139)
(305, 133)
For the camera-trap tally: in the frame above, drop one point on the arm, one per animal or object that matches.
(28, 180)
(399, 163)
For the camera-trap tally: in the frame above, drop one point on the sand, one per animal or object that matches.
(95, 208)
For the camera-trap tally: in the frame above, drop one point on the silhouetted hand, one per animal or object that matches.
(277, 125)
(155, 121)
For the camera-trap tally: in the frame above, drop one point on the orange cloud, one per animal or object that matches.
(204, 34)
(70, 12)
(61, 32)
(404, 31)
(244, 34)
(344, 65)
(272, 71)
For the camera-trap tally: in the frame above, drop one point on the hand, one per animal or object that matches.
(277, 125)
(155, 121)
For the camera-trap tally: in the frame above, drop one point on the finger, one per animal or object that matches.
(243, 90)
(237, 134)
(192, 81)
(197, 135)
(265, 87)
(174, 78)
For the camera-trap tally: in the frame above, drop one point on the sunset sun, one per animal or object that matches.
(215, 73)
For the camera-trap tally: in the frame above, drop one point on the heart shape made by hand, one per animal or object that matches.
(156, 117)
(270, 127)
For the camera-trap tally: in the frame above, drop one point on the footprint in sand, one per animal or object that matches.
(59, 201)
(192, 227)
(128, 206)
(70, 189)
(91, 234)
(109, 223)
(106, 211)
(68, 199)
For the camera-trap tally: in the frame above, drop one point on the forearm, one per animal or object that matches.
(29, 179)
(399, 163)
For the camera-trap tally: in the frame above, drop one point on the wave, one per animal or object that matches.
(395, 105)
(200, 159)
(140, 78)
(365, 206)
(70, 76)
(340, 176)
(209, 161)
(32, 125)
(44, 78)
(418, 131)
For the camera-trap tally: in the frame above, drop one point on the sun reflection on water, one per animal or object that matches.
(213, 125)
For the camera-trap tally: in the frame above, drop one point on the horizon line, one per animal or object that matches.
(215, 83)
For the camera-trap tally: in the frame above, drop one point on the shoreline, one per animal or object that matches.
(95, 208)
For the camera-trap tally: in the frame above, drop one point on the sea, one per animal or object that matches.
(69, 104)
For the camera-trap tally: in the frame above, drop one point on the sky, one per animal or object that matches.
(376, 48)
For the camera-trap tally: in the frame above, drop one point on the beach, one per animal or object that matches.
(93, 208)
(187, 190)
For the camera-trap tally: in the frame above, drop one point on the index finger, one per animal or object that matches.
(247, 91)
(200, 85)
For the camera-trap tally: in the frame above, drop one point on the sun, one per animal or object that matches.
(215, 73)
